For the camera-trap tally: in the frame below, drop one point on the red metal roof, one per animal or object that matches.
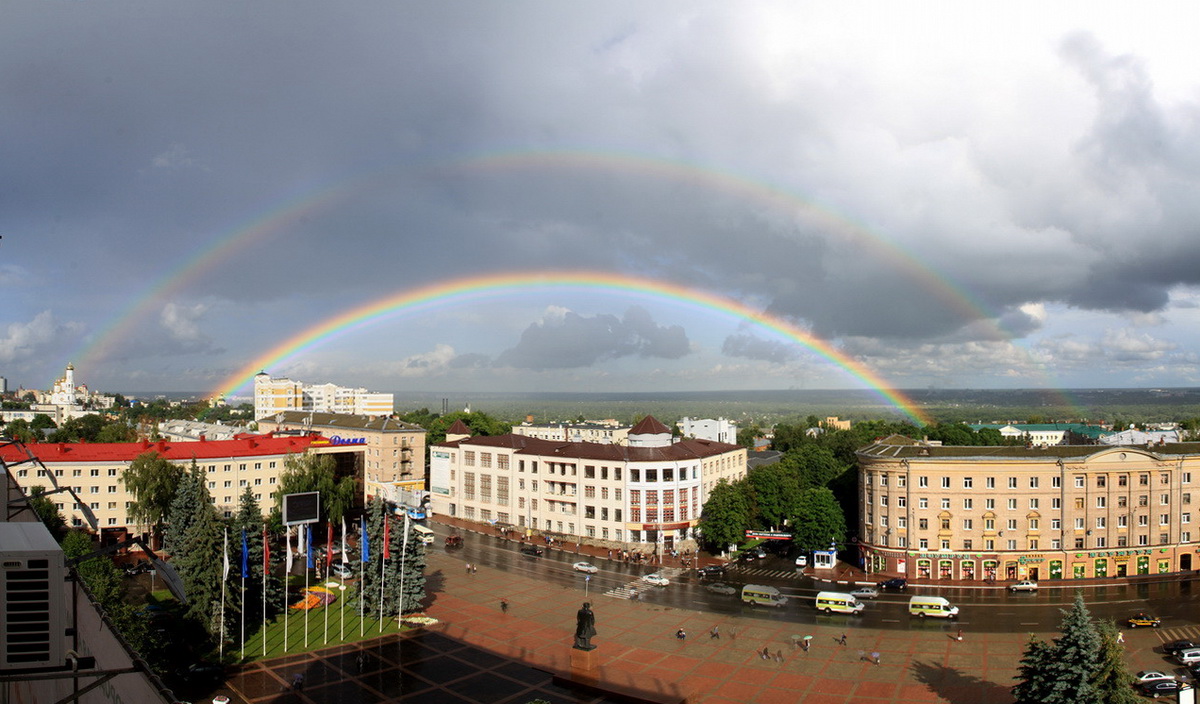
(650, 426)
(243, 446)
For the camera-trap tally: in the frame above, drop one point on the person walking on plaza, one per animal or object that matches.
(842, 640)
(714, 633)
(875, 657)
(959, 638)
(503, 606)
(680, 635)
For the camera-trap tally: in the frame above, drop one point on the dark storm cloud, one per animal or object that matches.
(753, 347)
(569, 340)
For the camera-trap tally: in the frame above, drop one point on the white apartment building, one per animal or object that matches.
(607, 432)
(718, 430)
(647, 493)
(276, 395)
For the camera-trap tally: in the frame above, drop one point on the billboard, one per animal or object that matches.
(301, 508)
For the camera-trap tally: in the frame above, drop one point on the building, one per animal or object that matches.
(1035, 433)
(94, 470)
(393, 451)
(648, 493)
(608, 432)
(194, 430)
(1043, 513)
(719, 430)
(65, 400)
(273, 396)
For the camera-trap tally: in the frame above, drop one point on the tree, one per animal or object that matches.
(313, 472)
(746, 436)
(1034, 685)
(479, 423)
(200, 563)
(1064, 672)
(774, 491)
(153, 482)
(20, 431)
(726, 516)
(119, 431)
(813, 465)
(250, 520)
(407, 560)
(818, 520)
(48, 512)
(185, 509)
(1112, 681)
(106, 585)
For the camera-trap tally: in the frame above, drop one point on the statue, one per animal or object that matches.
(585, 627)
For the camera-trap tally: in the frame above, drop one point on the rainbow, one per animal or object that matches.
(463, 290)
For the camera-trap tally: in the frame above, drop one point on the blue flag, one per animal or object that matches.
(245, 556)
(366, 548)
(311, 564)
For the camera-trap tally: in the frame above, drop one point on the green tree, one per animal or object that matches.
(249, 519)
(118, 431)
(812, 465)
(1033, 684)
(42, 421)
(747, 435)
(726, 516)
(105, 583)
(1112, 681)
(153, 482)
(47, 511)
(20, 430)
(774, 492)
(479, 423)
(818, 520)
(1064, 672)
(407, 560)
(200, 564)
(313, 472)
(185, 509)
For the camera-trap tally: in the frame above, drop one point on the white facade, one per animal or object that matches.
(605, 432)
(273, 396)
(719, 430)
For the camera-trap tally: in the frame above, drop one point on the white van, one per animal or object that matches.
(931, 606)
(425, 535)
(764, 595)
(1191, 656)
(839, 602)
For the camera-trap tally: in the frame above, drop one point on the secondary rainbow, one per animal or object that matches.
(464, 290)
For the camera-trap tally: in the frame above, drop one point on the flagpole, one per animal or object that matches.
(362, 577)
(224, 581)
(266, 572)
(287, 572)
(245, 558)
(383, 569)
(342, 589)
(308, 565)
(403, 565)
(328, 569)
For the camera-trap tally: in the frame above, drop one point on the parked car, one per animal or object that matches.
(342, 570)
(1143, 620)
(721, 588)
(1149, 675)
(865, 593)
(1025, 585)
(802, 561)
(202, 672)
(1157, 688)
(656, 579)
(711, 571)
(532, 551)
(1175, 646)
(896, 583)
(585, 567)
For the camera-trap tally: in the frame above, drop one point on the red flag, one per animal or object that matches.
(328, 546)
(266, 553)
(386, 537)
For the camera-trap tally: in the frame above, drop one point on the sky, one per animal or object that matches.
(950, 194)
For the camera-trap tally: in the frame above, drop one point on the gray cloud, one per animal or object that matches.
(751, 346)
(566, 340)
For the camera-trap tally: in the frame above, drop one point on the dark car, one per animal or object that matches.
(202, 672)
(1157, 688)
(894, 583)
(711, 571)
(1177, 645)
(532, 551)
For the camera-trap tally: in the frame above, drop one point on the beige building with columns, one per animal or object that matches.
(1006, 513)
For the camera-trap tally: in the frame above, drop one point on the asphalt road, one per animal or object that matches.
(981, 610)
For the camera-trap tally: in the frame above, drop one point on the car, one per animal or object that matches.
(865, 593)
(585, 567)
(342, 570)
(802, 561)
(721, 588)
(1143, 620)
(1025, 585)
(1150, 675)
(532, 551)
(896, 583)
(1172, 647)
(1157, 688)
(202, 672)
(656, 579)
(711, 571)
(760, 554)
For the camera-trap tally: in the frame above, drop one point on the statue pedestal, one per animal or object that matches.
(583, 664)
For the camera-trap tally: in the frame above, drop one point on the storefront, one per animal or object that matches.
(1038, 566)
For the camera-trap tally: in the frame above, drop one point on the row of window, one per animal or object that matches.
(1035, 543)
(1055, 481)
(1101, 522)
(968, 503)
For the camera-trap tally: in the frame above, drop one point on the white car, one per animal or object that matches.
(865, 593)
(656, 579)
(585, 567)
(1025, 585)
(1150, 675)
(342, 571)
(721, 588)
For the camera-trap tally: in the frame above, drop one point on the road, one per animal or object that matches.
(981, 610)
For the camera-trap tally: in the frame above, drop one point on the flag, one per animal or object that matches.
(308, 539)
(345, 552)
(266, 553)
(245, 556)
(225, 552)
(287, 550)
(366, 546)
(328, 547)
(387, 532)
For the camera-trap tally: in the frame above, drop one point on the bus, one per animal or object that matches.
(423, 533)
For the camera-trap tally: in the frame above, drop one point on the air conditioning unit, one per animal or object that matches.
(33, 604)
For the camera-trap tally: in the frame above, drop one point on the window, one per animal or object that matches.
(1164, 519)
(923, 544)
(1164, 499)
(989, 544)
(1143, 520)
(1012, 524)
(1101, 502)
(1101, 541)
(1164, 478)
(1101, 522)
(968, 482)
(1143, 500)
(901, 501)
(1143, 480)
(901, 481)
(1033, 504)
(882, 479)
(945, 482)
(991, 482)
(1080, 482)
(1185, 536)
(1012, 504)
(902, 542)
(1055, 544)
(1122, 480)
(1033, 482)
(945, 544)
(1185, 478)
(922, 482)
(1143, 540)
(1122, 501)
(1122, 521)
(883, 500)
(989, 504)
(1012, 482)
(469, 458)
(923, 523)
(989, 524)
(968, 504)
(901, 522)
(922, 502)
(1055, 524)
(1185, 498)
(968, 524)
(945, 503)
(1185, 518)
(1078, 524)
(967, 544)
(1012, 545)
(1101, 480)
(1078, 503)
(1033, 543)
(1056, 482)
(945, 523)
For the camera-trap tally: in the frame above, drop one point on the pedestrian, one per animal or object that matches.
(875, 657)
(959, 638)
(468, 568)
(1120, 637)
(804, 644)
(778, 656)
(842, 640)
(714, 633)
(361, 661)
(766, 653)
(503, 606)
(862, 656)
(680, 635)
(298, 681)
(474, 568)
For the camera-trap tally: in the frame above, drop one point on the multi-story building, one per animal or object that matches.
(718, 430)
(1054, 512)
(94, 470)
(393, 451)
(648, 492)
(273, 396)
(607, 432)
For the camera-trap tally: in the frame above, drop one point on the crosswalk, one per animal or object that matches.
(1166, 635)
(637, 586)
(757, 572)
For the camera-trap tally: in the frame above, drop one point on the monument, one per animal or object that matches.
(585, 627)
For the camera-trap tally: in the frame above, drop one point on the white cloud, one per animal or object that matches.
(181, 321)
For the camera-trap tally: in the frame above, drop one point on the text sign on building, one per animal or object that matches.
(768, 535)
(339, 440)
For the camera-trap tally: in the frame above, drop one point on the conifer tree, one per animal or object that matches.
(184, 508)
(408, 560)
(200, 563)
(1033, 685)
(1065, 671)
(1112, 681)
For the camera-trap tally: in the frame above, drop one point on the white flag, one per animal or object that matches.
(345, 554)
(287, 549)
(225, 552)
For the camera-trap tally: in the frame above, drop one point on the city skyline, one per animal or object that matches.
(684, 196)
